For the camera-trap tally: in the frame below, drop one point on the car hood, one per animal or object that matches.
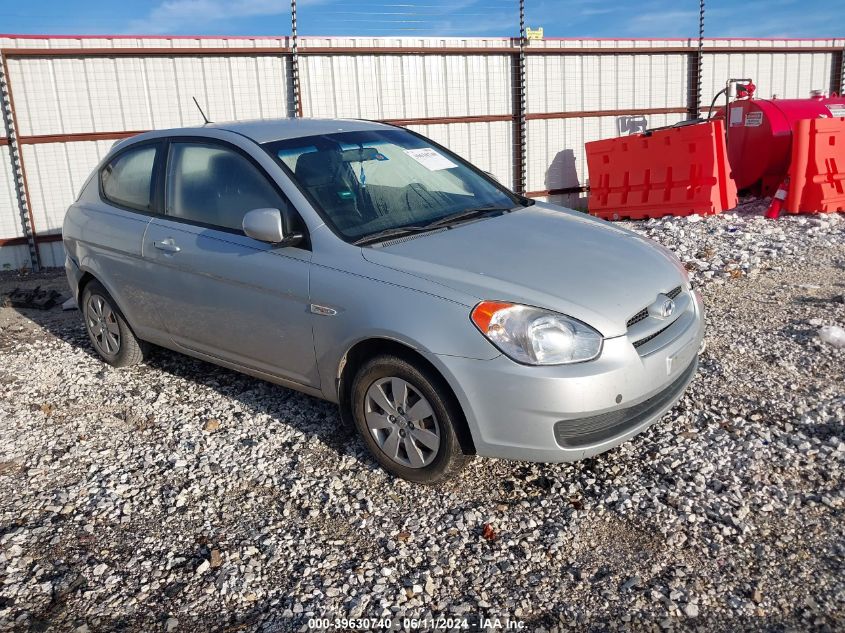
(544, 256)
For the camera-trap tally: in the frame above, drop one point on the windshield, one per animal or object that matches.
(372, 181)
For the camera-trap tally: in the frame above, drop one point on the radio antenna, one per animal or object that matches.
(204, 118)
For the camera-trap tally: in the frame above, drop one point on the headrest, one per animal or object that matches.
(317, 169)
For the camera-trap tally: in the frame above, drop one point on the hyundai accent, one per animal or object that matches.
(367, 265)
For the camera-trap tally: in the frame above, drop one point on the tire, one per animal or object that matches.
(400, 428)
(110, 335)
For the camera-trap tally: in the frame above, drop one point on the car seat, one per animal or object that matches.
(330, 181)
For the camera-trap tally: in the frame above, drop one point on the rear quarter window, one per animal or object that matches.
(127, 179)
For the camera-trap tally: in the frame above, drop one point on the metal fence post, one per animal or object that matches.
(694, 104)
(8, 107)
(294, 62)
(519, 146)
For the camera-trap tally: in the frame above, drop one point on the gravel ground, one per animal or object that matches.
(178, 496)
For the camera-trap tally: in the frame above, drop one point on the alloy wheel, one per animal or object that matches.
(402, 422)
(103, 326)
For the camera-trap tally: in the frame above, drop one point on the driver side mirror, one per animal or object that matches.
(271, 225)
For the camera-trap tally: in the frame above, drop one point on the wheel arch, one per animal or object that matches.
(369, 348)
(87, 277)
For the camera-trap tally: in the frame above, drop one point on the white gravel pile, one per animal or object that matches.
(179, 496)
(741, 242)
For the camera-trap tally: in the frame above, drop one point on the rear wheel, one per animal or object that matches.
(110, 335)
(407, 419)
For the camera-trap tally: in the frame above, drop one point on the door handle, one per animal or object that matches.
(167, 246)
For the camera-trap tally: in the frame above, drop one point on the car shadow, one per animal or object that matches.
(562, 173)
(314, 416)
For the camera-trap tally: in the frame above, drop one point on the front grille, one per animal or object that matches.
(645, 340)
(599, 428)
(642, 315)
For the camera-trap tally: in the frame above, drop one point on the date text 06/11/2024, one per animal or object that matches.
(443, 623)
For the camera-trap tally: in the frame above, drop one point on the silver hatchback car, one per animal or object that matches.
(364, 264)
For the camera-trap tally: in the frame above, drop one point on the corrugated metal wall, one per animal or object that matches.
(412, 87)
(572, 84)
(782, 74)
(73, 97)
(62, 103)
(62, 97)
(10, 225)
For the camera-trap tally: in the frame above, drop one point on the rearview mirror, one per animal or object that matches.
(271, 225)
(360, 155)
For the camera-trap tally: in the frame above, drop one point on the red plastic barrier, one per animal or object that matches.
(673, 171)
(817, 170)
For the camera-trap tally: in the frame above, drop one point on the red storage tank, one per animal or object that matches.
(760, 137)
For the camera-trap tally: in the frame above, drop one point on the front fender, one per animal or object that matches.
(367, 308)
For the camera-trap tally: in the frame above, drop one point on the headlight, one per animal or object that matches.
(535, 336)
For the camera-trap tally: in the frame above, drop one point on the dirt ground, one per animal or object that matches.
(183, 497)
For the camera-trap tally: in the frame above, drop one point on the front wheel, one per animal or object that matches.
(407, 420)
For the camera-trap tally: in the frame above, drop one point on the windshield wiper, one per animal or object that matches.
(384, 234)
(466, 214)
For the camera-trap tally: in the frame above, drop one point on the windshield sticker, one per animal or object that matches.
(431, 160)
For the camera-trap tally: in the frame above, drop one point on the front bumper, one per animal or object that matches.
(570, 412)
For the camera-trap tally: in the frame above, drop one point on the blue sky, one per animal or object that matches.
(571, 18)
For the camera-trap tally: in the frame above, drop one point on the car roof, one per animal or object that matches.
(261, 130)
(268, 130)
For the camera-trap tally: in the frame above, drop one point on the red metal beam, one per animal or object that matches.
(769, 49)
(510, 50)
(39, 239)
(606, 50)
(396, 50)
(658, 50)
(486, 118)
(3, 141)
(79, 136)
(145, 52)
(153, 36)
(586, 114)
(407, 50)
